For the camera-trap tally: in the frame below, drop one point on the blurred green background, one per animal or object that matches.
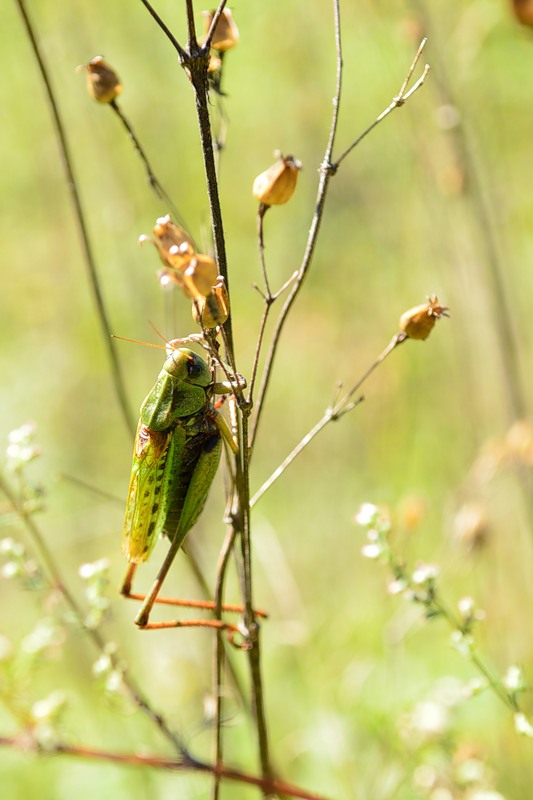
(436, 199)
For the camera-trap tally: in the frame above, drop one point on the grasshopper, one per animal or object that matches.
(176, 455)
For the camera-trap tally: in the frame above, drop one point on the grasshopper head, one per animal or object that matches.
(187, 366)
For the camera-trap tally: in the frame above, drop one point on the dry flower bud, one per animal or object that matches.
(174, 245)
(212, 310)
(518, 443)
(523, 11)
(226, 33)
(418, 322)
(102, 81)
(215, 64)
(471, 526)
(276, 185)
(200, 276)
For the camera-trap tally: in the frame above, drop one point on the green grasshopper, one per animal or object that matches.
(175, 458)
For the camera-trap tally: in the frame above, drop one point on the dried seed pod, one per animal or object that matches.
(276, 185)
(200, 276)
(174, 245)
(226, 33)
(523, 11)
(418, 322)
(215, 64)
(102, 81)
(212, 310)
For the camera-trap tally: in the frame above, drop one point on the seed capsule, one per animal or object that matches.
(418, 322)
(523, 11)
(102, 81)
(226, 33)
(200, 276)
(212, 310)
(276, 185)
(174, 245)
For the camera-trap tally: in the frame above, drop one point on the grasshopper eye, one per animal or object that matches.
(194, 369)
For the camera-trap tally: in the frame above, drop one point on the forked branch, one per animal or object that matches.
(327, 170)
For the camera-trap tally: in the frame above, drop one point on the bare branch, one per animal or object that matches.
(338, 409)
(326, 172)
(116, 371)
(24, 742)
(400, 99)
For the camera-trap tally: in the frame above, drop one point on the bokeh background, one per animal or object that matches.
(436, 200)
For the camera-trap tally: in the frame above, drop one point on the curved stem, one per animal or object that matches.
(160, 191)
(47, 559)
(326, 172)
(116, 372)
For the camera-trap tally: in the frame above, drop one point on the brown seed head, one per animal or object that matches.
(102, 81)
(276, 185)
(212, 310)
(174, 245)
(200, 276)
(523, 11)
(418, 322)
(226, 33)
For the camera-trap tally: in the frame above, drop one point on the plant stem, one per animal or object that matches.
(273, 786)
(94, 635)
(160, 191)
(116, 372)
(326, 172)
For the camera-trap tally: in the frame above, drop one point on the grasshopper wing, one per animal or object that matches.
(146, 507)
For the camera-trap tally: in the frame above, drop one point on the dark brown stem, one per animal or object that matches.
(193, 43)
(166, 30)
(25, 742)
(219, 654)
(253, 629)
(116, 371)
(198, 71)
(214, 23)
(159, 190)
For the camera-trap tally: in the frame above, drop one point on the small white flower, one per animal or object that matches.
(49, 706)
(9, 546)
(397, 586)
(102, 665)
(424, 573)
(11, 569)
(466, 606)
(513, 680)
(372, 550)
(90, 570)
(463, 643)
(430, 718)
(114, 682)
(523, 725)
(366, 514)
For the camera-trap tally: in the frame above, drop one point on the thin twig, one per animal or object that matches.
(25, 742)
(326, 173)
(400, 99)
(338, 409)
(116, 372)
(160, 191)
(253, 628)
(327, 170)
(193, 42)
(56, 579)
(219, 653)
(214, 23)
(166, 30)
